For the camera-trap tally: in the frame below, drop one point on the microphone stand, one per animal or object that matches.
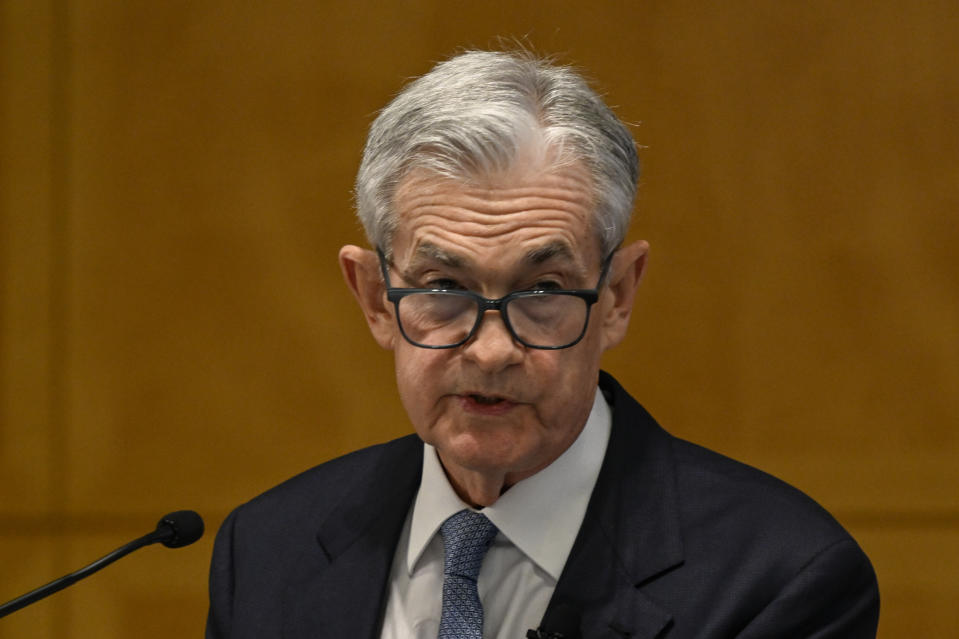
(176, 529)
(59, 584)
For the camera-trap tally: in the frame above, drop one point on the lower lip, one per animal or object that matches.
(472, 406)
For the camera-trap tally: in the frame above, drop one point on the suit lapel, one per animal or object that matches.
(338, 586)
(630, 534)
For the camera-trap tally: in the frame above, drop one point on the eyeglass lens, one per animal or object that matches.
(443, 319)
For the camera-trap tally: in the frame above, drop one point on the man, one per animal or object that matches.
(496, 192)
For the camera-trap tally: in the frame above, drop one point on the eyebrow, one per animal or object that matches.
(429, 251)
(538, 255)
(549, 251)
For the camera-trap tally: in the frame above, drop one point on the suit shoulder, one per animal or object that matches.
(777, 548)
(741, 500)
(323, 486)
(712, 490)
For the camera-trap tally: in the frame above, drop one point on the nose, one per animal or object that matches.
(492, 347)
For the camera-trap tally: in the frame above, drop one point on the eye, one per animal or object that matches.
(546, 285)
(443, 283)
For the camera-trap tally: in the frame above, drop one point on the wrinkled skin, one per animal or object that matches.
(497, 411)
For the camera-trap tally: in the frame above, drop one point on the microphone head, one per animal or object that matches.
(181, 528)
(562, 622)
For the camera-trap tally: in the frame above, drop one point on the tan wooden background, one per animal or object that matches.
(175, 181)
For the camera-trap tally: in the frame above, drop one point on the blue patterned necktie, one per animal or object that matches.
(466, 538)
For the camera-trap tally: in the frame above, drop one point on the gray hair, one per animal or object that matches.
(472, 115)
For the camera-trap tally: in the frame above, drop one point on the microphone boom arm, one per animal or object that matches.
(174, 530)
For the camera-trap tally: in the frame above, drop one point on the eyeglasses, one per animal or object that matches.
(441, 318)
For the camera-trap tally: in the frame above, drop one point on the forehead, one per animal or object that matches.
(525, 215)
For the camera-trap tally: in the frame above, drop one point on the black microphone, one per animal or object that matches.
(174, 530)
(560, 622)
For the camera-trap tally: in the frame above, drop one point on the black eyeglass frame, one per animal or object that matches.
(588, 295)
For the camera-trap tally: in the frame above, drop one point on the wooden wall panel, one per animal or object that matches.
(917, 567)
(31, 475)
(175, 183)
(29, 560)
(159, 592)
(27, 262)
(211, 310)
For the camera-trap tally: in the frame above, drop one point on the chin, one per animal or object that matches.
(494, 455)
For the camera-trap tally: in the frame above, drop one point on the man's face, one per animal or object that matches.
(493, 405)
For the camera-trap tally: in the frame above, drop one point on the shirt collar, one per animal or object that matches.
(540, 515)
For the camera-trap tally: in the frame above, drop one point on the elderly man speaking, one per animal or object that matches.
(537, 497)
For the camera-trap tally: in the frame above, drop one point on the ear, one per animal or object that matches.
(625, 272)
(361, 270)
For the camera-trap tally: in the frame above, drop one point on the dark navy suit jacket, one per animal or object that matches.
(677, 542)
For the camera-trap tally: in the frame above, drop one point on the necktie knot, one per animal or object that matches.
(466, 538)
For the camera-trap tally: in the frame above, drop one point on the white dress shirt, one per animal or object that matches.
(538, 519)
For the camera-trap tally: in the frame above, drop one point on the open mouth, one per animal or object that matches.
(487, 404)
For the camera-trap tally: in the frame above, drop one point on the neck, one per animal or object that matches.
(480, 489)
(477, 489)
